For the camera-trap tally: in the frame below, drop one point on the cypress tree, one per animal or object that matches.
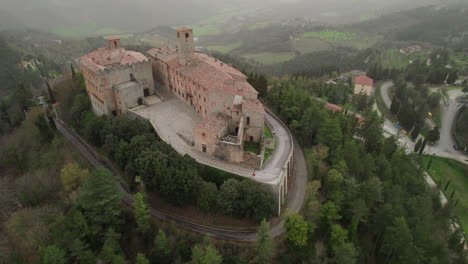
(417, 147)
(423, 146)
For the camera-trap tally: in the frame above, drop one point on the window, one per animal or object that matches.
(203, 148)
(204, 99)
(203, 134)
(248, 120)
(178, 34)
(186, 35)
(251, 138)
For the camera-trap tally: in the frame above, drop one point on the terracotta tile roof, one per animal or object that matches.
(333, 107)
(254, 105)
(206, 71)
(113, 38)
(213, 123)
(364, 80)
(183, 29)
(103, 58)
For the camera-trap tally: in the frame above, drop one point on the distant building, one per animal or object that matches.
(411, 49)
(116, 79)
(218, 92)
(363, 85)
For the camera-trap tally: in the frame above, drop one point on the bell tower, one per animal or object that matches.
(113, 43)
(185, 45)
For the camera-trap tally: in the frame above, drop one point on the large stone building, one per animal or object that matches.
(363, 85)
(116, 79)
(218, 92)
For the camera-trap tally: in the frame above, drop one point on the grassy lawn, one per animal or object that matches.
(225, 48)
(393, 59)
(443, 170)
(307, 45)
(250, 146)
(268, 133)
(331, 35)
(269, 151)
(270, 57)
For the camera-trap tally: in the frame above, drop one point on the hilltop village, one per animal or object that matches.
(117, 80)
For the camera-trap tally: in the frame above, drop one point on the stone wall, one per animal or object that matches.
(252, 160)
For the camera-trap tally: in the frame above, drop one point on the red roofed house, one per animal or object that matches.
(216, 91)
(116, 79)
(363, 85)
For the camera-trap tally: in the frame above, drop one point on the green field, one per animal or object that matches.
(259, 25)
(79, 31)
(207, 30)
(270, 57)
(359, 43)
(225, 48)
(443, 170)
(331, 35)
(330, 14)
(215, 25)
(267, 132)
(308, 45)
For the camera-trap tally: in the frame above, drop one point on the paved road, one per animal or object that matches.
(171, 117)
(442, 148)
(384, 93)
(449, 112)
(294, 202)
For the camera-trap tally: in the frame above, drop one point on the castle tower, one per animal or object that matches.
(185, 45)
(113, 43)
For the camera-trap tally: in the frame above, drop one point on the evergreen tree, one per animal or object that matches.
(100, 200)
(421, 150)
(417, 147)
(206, 255)
(415, 132)
(111, 251)
(142, 213)
(330, 133)
(208, 198)
(297, 229)
(162, 250)
(265, 248)
(141, 259)
(73, 71)
(53, 255)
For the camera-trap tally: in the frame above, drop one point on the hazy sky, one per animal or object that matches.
(145, 14)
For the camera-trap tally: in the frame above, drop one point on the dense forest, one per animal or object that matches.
(367, 200)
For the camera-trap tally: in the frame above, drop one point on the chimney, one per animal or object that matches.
(113, 43)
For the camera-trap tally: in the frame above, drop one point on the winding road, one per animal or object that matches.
(294, 201)
(443, 147)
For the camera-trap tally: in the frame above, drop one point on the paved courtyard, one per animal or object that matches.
(174, 121)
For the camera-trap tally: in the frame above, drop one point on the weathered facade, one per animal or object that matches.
(218, 92)
(116, 79)
(363, 85)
